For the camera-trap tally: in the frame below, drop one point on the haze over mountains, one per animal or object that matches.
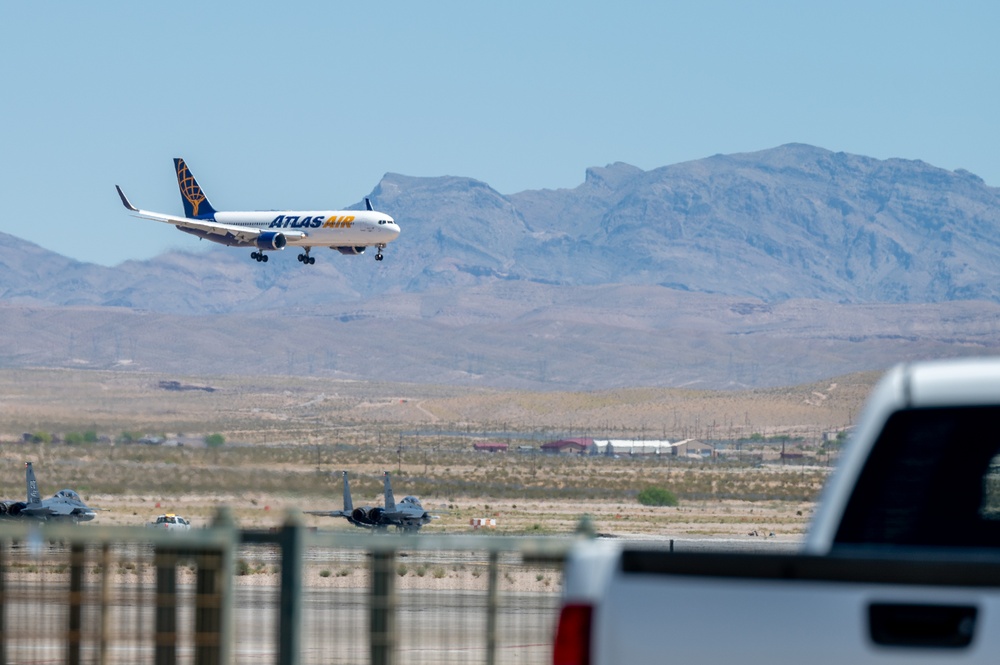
(781, 266)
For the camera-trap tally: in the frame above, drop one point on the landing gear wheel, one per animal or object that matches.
(305, 259)
(378, 257)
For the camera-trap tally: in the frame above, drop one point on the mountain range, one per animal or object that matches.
(758, 269)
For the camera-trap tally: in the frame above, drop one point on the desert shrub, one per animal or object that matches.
(325, 573)
(657, 496)
(73, 438)
(214, 440)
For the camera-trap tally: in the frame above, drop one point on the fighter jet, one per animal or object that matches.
(407, 515)
(64, 505)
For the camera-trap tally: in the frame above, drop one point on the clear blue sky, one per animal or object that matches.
(307, 105)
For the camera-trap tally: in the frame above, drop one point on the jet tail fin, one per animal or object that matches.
(390, 501)
(348, 504)
(34, 496)
(196, 204)
(368, 204)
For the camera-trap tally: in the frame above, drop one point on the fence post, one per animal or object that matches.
(213, 603)
(290, 608)
(165, 562)
(105, 604)
(491, 609)
(75, 633)
(382, 628)
(3, 601)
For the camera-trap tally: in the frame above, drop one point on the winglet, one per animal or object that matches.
(368, 204)
(348, 504)
(390, 501)
(34, 497)
(125, 200)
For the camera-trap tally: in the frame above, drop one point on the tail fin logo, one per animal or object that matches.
(190, 189)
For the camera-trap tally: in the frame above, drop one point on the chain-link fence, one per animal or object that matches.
(90, 594)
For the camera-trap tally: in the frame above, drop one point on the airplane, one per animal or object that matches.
(347, 231)
(408, 515)
(64, 505)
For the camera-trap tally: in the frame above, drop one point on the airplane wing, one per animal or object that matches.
(327, 513)
(204, 225)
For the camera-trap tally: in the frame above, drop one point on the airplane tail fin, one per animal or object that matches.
(390, 501)
(348, 504)
(196, 204)
(29, 476)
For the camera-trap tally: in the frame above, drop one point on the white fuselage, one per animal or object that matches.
(319, 228)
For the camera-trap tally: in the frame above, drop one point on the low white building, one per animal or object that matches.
(685, 448)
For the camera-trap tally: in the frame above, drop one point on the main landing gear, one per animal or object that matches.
(259, 256)
(305, 258)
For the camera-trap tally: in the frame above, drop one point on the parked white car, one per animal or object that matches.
(171, 522)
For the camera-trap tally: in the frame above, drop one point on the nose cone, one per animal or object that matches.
(392, 228)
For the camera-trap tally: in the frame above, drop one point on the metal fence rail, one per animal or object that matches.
(91, 594)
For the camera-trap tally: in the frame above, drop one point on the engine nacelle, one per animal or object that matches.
(368, 516)
(12, 508)
(271, 240)
(351, 250)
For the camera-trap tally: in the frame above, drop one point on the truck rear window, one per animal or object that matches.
(932, 479)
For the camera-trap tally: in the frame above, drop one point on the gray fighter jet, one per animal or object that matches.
(407, 515)
(65, 505)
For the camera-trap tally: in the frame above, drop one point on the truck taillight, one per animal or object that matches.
(572, 645)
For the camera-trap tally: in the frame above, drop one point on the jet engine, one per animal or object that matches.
(271, 240)
(367, 515)
(351, 250)
(12, 508)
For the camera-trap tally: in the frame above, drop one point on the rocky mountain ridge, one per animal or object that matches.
(764, 268)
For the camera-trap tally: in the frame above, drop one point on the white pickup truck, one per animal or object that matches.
(170, 522)
(901, 563)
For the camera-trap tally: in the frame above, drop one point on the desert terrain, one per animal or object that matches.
(286, 439)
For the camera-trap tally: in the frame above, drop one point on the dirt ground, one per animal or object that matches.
(776, 520)
(295, 426)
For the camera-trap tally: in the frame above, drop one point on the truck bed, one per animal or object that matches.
(852, 607)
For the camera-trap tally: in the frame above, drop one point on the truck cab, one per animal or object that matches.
(171, 522)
